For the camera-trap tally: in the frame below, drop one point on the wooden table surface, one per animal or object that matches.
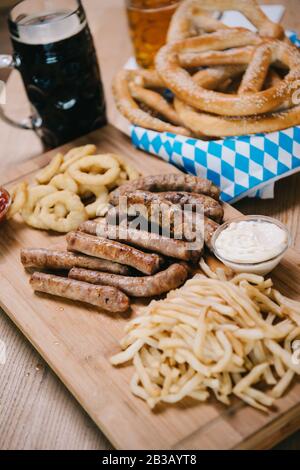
(36, 411)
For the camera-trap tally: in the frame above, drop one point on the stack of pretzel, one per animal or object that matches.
(214, 81)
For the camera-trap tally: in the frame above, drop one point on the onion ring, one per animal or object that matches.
(76, 154)
(64, 182)
(47, 173)
(31, 210)
(19, 198)
(93, 165)
(130, 172)
(76, 211)
(60, 210)
(100, 207)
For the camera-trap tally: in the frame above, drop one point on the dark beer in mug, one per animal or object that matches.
(55, 54)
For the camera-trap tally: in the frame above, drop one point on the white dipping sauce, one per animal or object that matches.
(252, 241)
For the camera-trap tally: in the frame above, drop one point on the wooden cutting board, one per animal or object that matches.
(77, 342)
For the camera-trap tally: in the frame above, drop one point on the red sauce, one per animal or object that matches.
(4, 203)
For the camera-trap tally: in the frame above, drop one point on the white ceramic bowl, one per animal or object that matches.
(261, 268)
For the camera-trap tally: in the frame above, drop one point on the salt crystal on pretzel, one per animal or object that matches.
(209, 125)
(124, 91)
(257, 70)
(184, 87)
(214, 102)
(234, 56)
(155, 101)
(192, 16)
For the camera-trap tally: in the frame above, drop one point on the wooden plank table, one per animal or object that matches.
(36, 410)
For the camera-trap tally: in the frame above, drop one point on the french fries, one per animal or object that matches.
(78, 182)
(214, 335)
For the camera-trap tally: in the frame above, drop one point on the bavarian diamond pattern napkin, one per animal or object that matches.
(241, 166)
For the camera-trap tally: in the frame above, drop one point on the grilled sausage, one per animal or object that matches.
(162, 183)
(114, 251)
(210, 228)
(90, 226)
(158, 211)
(188, 230)
(64, 260)
(151, 286)
(211, 208)
(153, 242)
(104, 297)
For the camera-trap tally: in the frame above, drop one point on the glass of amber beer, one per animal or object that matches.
(149, 22)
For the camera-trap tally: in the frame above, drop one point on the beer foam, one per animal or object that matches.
(49, 27)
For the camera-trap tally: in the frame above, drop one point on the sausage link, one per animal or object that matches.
(151, 286)
(210, 228)
(211, 208)
(153, 242)
(159, 212)
(114, 251)
(105, 297)
(89, 227)
(162, 183)
(64, 260)
(188, 229)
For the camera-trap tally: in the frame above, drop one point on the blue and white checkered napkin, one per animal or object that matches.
(241, 166)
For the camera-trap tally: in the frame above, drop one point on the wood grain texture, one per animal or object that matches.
(20, 426)
(77, 343)
(37, 412)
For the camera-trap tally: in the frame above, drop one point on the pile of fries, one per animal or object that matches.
(214, 335)
(72, 189)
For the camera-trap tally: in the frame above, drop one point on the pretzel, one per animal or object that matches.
(239, 93)
(209, 125)
(203, 124)
(154, 101)
(257, 71)
(128, 85)
(182, 84)
(215, 78)
(234, 56)
(192, 16)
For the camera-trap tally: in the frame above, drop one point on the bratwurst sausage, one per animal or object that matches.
(90, 227)
(151, 286)
(210, 227)
(171, 248)
(190, 230)
(152, 208)
(113, 251)
(173, 182)
(104, 297)
(207, 205)
(64, 260)
(211, 208)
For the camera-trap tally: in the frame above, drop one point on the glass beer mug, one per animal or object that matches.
(149, 21)
(55, 54)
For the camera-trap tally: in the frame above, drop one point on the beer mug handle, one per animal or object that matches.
(7, 61)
